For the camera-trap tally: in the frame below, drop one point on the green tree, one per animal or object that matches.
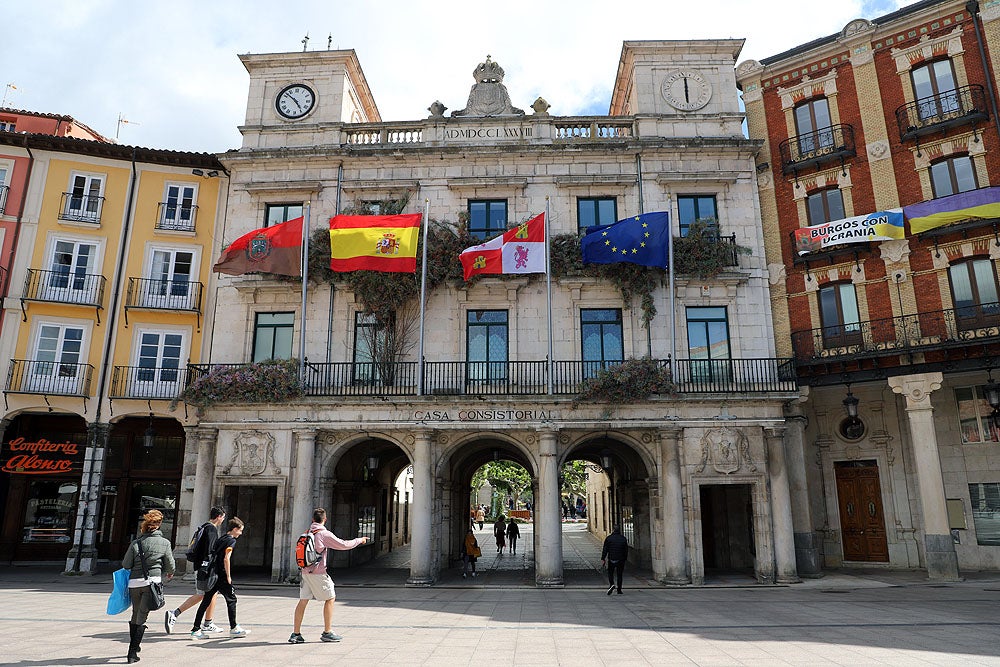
(503, 475)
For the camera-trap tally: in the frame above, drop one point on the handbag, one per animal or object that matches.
(155, 587)
(119, 600)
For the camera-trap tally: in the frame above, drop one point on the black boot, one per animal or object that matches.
(140, 630)
(134, 637)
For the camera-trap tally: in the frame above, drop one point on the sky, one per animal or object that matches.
(171, 70)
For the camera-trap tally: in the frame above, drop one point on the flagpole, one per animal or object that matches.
(305, 282)
(423, 299)
(548, 293)
(670, 273)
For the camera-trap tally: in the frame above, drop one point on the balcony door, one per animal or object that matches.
(601, 331)
(708, 343)
(159, 360)
(373, 350)
(813, 125)
(170, 280)
(56, 365)
(84, 201)
(486, 345)
(71, 278)
(974, 293)
(838, 311)
(178, 209)
(935, 90)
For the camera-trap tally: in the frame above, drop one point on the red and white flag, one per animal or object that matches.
(518, 250)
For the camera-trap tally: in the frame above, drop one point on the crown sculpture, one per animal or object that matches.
(488, 96)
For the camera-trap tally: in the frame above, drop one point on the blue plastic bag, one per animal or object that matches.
(119, 600)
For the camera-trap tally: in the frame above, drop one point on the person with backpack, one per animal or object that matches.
(220, 580)
(148, 559)
(311, 550)
(197, 556)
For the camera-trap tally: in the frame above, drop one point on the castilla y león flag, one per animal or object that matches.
(276, 249)
(518, 250)
(374, 242)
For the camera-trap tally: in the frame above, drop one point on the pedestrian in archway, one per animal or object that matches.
(513, 532)
(470, 552)
(480, 516)
(614, 555)
(499, 532)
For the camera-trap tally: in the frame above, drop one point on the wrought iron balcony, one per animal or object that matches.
(175, 218)
(4, 189)
(64, 286)
(155, 294)
(813, 149)
(942, 329)
(26, 376)
(524, 378)
(963, 106)
(81, 208)
(145, 382)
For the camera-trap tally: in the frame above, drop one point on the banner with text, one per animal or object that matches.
(878, 226)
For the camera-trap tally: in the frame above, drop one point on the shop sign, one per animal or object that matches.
(40, 457)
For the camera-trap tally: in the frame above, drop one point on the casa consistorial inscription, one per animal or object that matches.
(479, 415)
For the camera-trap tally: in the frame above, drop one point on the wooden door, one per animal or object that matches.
(862, 522)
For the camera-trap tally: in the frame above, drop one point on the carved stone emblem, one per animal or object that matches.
(726, 450)
(488, 96)
(252, 455)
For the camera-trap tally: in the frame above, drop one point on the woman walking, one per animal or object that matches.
(470, 552)
(513, 532)
(155, 559)
(499, 530)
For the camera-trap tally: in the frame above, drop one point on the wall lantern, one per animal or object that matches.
(606, 459)
(851, 404)
(371, 461)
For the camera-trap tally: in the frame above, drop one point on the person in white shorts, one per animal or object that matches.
(316, 584)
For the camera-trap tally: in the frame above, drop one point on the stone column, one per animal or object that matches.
(204, 474)
(303, 501)
(942, 561)
(672, 508)
(423, 505)
(82, 557)
(781, 507)
(808, 562)
(548, 514)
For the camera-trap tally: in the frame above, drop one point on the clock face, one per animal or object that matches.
(686, 90)
(295, 101)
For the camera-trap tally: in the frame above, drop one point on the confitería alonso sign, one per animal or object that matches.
(40, 457)
(482, 415)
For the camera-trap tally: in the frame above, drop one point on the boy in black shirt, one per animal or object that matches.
(209, 535)
(222, 553)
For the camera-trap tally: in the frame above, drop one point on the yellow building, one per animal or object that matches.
(113, 256)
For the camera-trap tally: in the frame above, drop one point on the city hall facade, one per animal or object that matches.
(701, 477)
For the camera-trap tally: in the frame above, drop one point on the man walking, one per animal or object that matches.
(615, 552)
(316, 584)
(209, 533)
(222, 554)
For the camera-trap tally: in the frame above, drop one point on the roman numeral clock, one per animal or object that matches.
(686, 90)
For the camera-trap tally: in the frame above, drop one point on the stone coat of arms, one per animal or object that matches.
(726, 450)
(253, 454)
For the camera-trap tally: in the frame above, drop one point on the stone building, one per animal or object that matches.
(700, 478)
(893, 328)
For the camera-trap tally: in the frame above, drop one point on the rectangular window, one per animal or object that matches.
(72, 276)
(824, 206)
(50, 511)
(7, 126)
(275, 214)
(974, 293)
(169, 284)
(373, 358)
(4, 187)
(272, 337)
(366, 521)
(954, 175)
(591, 211)
(602, 339)
(487, 217)
(934, 90)
(985, 499)
(57, 358)
(486, 345)
(84, 200)
(708, 342)
(839, 316)
(178, 208)
(696, 208)
(159, 362)
(974, 416)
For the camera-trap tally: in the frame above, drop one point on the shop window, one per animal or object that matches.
(985, 499)
(602, 340)
(272, 338)
(487, 217)
(838, 311)
(974, 416)
(50, 511)
(486, 345)
(974, 293)
(953, 175)
(696, 208)
(591, 211)
(824, 206)
(275, 214)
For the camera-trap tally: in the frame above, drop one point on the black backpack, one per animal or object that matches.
(197, 550)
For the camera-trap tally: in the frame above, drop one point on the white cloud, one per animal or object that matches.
(171, 68)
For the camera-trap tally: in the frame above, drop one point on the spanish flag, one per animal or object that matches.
(374, 243)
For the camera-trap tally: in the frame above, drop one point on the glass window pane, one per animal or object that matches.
(685, 211)
(607, 211)
(941, 179)
(585, 214)
(849, 305)
(985, 499)
(922, 82)
(961, 286)
(964, 174)
(835, 204)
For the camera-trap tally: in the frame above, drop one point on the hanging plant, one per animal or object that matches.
(628, 382)
(274, 380)
(703, 253)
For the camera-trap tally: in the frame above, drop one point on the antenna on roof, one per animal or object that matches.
(123, 121)
(10, 87)
(305, 41)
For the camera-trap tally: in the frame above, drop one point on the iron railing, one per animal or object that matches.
(64, 286)
(814, 148)
(954, 327)
(155, 294)
(935, 112)
(26, 376)
(81, 208)
(147, 382)
(521, 378)
(175, 218)
(4, 189)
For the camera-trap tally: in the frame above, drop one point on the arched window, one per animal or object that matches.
(934, 89)
(812, 123)
(974, 293)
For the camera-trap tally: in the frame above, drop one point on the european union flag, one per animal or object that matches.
(643, 239)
